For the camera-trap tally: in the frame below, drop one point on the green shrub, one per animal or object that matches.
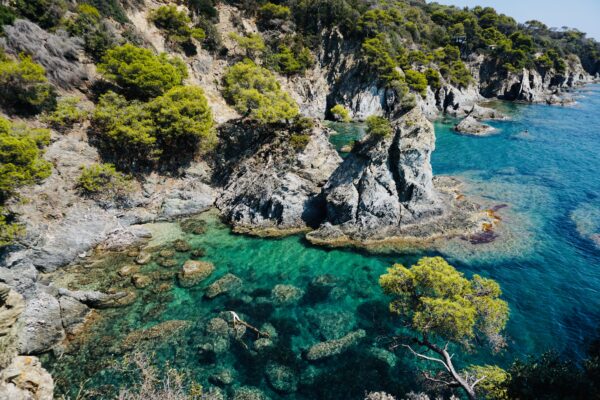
(140, 72)
(340, 113)
(68, 112)
(87, 24)
(7, 17)
(46, 13)
(252, 44)
(102, 180)
(182, 120)
(109, 9)
(255, 93)
(21, 161)
(290, 62)
(378, 126)
(175, 24)
(170, 127)
(24, 87)
(270, 12)
(377, 53)
(299, 141)
(433, 79)
(416, 81)
(303, 124)
(203, 7)
(10, 230)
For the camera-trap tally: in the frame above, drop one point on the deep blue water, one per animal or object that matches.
(544, 259)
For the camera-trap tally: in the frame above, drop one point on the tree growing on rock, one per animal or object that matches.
(441, 307)
(141, 73)
(340, 113)
(255, 93)
(378, 126)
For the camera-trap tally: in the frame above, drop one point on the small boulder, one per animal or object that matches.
(73, 313)
(334, 347)
(143, 258)
(166, 253)
(128, 270)
(262, 344)
(222, 285)
(181, 246)
(194, 272)
(222, 377)
(249, 393)
(282, 378)
(286, 294)
(167, 262)
(471, 126)
(141, 281)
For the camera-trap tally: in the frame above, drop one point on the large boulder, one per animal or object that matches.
(385, 183)
(471, 126)
(273, 187)
(227, 283)
(26, 379)
(12, 305)
(41, 322)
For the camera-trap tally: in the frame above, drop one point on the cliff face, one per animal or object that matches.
(273, 185)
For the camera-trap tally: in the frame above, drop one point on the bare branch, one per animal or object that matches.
(426, 357)
(477, 381)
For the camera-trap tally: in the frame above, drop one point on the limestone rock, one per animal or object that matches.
(385, 183)
(12, 305)
(128, 270)
(222, 377)
(97, 299)
(194, 272)
(331, 323)
(73, 313)
(334, 347)
(26, 379)
(272, 187)
(472, 126)
(249, 393)
(222, 285)
(41, 324)
(143, 258)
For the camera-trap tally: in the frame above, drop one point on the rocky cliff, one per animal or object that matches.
(273, 186)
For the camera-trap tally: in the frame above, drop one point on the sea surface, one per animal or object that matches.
(541, 170)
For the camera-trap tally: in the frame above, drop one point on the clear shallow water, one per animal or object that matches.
(545, 261)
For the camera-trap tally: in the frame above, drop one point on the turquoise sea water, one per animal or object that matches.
(543, 164)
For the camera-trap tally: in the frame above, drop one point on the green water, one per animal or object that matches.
(547, 184)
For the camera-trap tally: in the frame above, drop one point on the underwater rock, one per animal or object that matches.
(128, 270)
(141, 281)
(97, 299)
(194, 272)
(181, 246)
(471, 126)
(159, 332)
(262, 344)
(222, 377)
(334, 347)
(167, 253)
(381, 396)
(286, 294)
(143, 258)
(222, 285)
(384, 355)
(167, 262)
(193, 225)
(281, 378)
(309, 375)
(197, 253)
(331, 324)
(26, 379)
(249, 393)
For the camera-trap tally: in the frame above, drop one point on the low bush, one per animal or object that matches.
(416, 81)
(46, 13)
(87, 24)
(270, 15)
(252, 44)
(102, 180)
(299, 141)
(176, 25)
(340, 113)
(68, 112)
(433, 79)
(24, 87)
(378, 126)
(141, 73)
(254, 92)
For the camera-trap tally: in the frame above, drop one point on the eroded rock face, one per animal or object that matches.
(11, 307)
(472, 126)
(26, 379)
(385, 182)
(273, 186)
(41, 324)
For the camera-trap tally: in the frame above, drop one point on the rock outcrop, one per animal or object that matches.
(273, 187)
(385, 191)
(471, 126)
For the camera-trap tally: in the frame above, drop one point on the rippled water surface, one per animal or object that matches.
(543, 164)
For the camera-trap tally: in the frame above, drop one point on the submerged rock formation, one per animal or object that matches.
(472, 126)
(385, 191)
(273, 187)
